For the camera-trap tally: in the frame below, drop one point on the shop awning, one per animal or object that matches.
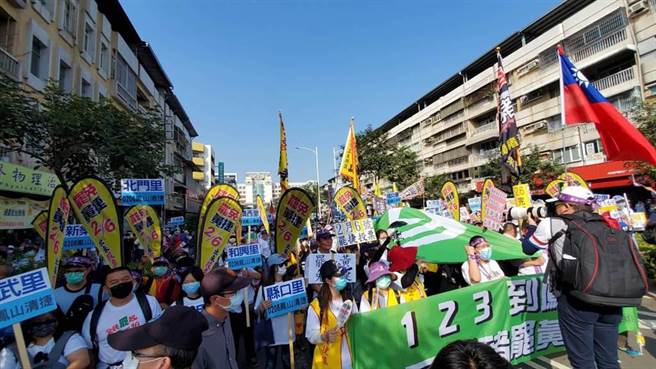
(605, 175)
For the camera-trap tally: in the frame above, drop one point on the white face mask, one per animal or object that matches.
(131, 362)
(282, 270)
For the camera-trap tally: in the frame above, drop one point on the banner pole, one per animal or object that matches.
(290, 331)
(247, 307)
(20, 344)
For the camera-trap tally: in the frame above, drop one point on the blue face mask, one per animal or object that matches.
(74, 277)
(160, 270)
(486, 254)
(341, 283)
(235, 302)
(191, 288)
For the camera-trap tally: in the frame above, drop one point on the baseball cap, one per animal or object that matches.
(179, 327)
(78, 261)
(220, 280)
(276, 259)
(324, 233)
(330, 269)
(574, 195)
(161, 261)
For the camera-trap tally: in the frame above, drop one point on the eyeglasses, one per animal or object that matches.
(140, 356)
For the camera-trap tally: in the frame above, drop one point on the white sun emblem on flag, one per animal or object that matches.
(580, 78)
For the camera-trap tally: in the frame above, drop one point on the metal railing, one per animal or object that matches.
(615, 79)
(603, 44)
(8, 64)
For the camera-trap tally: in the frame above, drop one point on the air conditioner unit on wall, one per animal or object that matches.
(526, 68)
(638, 7)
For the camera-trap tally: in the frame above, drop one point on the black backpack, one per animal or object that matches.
(600, 265)
(95, 316)
(80, 308)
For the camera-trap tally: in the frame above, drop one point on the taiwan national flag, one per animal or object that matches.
(582, 103)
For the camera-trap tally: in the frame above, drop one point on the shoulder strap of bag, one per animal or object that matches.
(14, 351)
(144, 305)
(87, 289)
(93, 326)
(58, 349)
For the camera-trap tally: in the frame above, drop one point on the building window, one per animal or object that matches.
(69, 13)
(569, 155)
(103, 60)
(89, 42)
(126, 82)
(39, 60)
(46, 8)
(85, 88)
(7, 31)
(65, 77)
(592, 147)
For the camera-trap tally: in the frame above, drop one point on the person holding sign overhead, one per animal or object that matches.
(326, 318)
(279, 325)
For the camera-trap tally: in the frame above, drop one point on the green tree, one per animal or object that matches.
(76, 137)
(377, 158)
(644, 116)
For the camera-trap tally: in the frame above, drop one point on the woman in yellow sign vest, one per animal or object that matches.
(326, 320)
(379, 295)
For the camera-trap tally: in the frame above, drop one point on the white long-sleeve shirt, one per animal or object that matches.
(313, 330)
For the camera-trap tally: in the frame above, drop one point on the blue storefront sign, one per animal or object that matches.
(142, 191)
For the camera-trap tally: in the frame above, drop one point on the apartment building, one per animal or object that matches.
(92, 49)
(255, 183)
(205, 161)
(453, 128)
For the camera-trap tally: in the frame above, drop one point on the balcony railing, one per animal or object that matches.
(603, 44)
(8, 64)
(613, 80)
(124, 94)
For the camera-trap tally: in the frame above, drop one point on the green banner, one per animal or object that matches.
(516, 316)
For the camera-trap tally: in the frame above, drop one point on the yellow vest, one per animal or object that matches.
(414, 292)
(328, 355)
(391, 299)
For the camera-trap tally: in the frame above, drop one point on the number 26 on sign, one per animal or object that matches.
(215, 239)
(106, 226)
(450, 310)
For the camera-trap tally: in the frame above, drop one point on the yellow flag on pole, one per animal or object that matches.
(349, 167)
(394, 188)
(282, 162)
(377, 191)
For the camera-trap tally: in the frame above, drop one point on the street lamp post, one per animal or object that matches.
(316, 163)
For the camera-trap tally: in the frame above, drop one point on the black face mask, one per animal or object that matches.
(43, 329)
(121, 290)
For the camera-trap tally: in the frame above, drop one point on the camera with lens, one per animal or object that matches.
(536, 212)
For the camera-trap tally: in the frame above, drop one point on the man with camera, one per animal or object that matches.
(594, 270)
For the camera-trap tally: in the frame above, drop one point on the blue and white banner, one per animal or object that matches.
(313, 263)
(474, 204)
(176, 221)
(25, 296)
(285, 297)
(393, 199)
(244, 256)
(250, 217)
(76, 237)
(142, 191)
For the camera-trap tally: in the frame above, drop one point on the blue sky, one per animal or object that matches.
(234, 64)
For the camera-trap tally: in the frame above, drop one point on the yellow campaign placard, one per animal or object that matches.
(522, 194)
(294, 208)
(19, 213)
(485, 194)
(40, 224)
(554, 187)
(573, 179)
(220, 221)
(350, 203)
(220, 190)
(95, 208)
(144, 223)
(19, 178)
(263, 214)
(58, 213)
(449, 193)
